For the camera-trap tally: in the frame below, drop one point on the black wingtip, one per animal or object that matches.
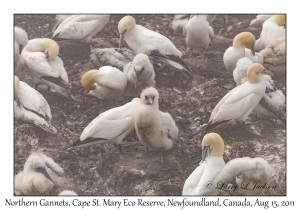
(85, 142)
(56, 80)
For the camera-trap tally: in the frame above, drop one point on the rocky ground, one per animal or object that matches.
(102, 169)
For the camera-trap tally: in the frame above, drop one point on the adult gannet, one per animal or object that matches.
(68, 192)
(21, 39)
(259, 20)
(250, 176)
(155, 129)
(143, 75)
(237, 104)
(151, 43)
(199, 34)
(41, 57)
(204, 179)
(31, 106)
(38, 176)
(272, 29)
(80, 27)
(111, 126)
(238, 50)
(116, 57)
(272, 103)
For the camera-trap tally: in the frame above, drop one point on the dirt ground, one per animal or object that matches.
(102, 169)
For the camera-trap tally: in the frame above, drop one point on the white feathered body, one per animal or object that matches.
(259, 20)
(204, 179)
(21, 39)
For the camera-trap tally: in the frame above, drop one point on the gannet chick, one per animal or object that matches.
(38, 176)
(199, 34)
(154, 128)
(259, 20)
(179, 22)
(80, 27)
(272, 29)
(31, 106)
(237, 104)
(238, 50)
(248, 175)
(111, 126)
(21, 39)
(209, 168)
(272, 104)
(68, 192)
(143, 75)
(151, 43)
(58, 20)
(41, 57)
(113, 56)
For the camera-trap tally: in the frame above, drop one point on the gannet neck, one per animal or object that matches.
(89, 78)
(48, 46)
(254, 72)
(51, 47)
(16, 87)
(215, 142)
(243, 39)
(126, 23)
(279, 19)
(150, 96)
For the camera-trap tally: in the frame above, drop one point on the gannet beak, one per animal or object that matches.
(138, 74)
(44, 171)
(122, 36)
(150, 99)
(284, 26)
(267, 72)
(252, 49)
(205, 152)
(47, 55)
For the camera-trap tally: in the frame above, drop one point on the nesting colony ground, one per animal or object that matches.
(102, 169)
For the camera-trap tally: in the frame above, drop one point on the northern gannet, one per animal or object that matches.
(21, 39)
(272, 29)
(248, 175)
(237, 104)
(259, 20)
(38, 176)
(116, 57)
(41, 57)
(199, 34)
(58, 20)
(143, 75)
(272, 103)
(155, 129)
(151, 43)
(31, 106)
(204, 179)
(238, 50)
(80, 27)
(68, 192)
(111, 126)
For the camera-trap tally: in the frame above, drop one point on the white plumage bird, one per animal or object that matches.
(151, 43)
(21, 39)
(38, 176)
(30, 106)
(111, 126)
(272, 29)
(58, 20)
(80, 27)
(272, 103)
(204, 179)
(237, 104)
(154, 128)
(41, 57)
(259, 20)
(199, 34)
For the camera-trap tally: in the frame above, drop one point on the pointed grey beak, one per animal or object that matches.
(205, 152)
(252, 49)
(44, 171)
(47, 55)
(122, 36)
(267, 72)
(284, 26)
(138, 74)
(150, 99)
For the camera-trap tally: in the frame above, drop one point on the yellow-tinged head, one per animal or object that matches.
(212, 145)
(245, 39)
(254, 72)
(279, 19)
(89, 78)
(124, 25)
(51, 48)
